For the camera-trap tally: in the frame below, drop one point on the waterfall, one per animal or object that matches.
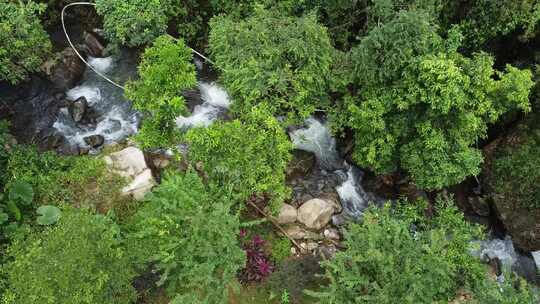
(317, 138)
(216, 101)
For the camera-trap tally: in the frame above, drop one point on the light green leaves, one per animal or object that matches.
(48, 215)
(165, 71)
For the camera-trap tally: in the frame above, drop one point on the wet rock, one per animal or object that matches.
(53, 141)
(339, 219)
(93, 46)
(94, 141)
(84, 150)
(64, 69)
(479, 205)
(315, 213)
(332, 233)
(91, 116)
(287, 214)
(140, 186)
(68, 149)
(77, 109)
(59, 96)
(301, 164)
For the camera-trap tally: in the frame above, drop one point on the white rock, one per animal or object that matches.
(140, 186)
(128, 162)
(287, 214)
(315, 213)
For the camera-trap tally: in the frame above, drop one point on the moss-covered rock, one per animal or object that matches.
(511, 176)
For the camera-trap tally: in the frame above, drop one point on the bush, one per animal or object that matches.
(24, 44)
(79, 260)
(402, 254)
(422, 106)
(283, 61)
(165, 71)
(133, 22)
(187, 232)
(80, 180)
(250, 156)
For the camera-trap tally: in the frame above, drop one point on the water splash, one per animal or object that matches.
(316, 138)
(116, 119)
(102, 65)
(216, 101)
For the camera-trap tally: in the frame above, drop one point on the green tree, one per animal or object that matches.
(186, 230)
(250, 155)
(487, 19)
(422, 106)
(284, 61)
(133, 22)
(400, 254)
(24, 44)
(78, 261)
(164, 72)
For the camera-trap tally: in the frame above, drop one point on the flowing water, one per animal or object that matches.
(215, 102)
(116, 119)
(317, 138)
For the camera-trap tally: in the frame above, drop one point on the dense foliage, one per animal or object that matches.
(24, 44)
(422, 106)
(133, 22)
(165, 71)
(79, 260)
(402, 254)
(487, 19)
(280, 60)
(81, 180)
(249, 155)
(187, 232)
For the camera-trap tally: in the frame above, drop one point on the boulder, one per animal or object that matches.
(140, 186)
(94, 141)
(315, 213)
(77, 109)
(128, 162)
(93, 46)
(64, 70)
(287, 214)
(295, 232)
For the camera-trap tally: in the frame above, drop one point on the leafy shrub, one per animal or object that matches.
(281, 249)
(402, 254)
(422, 106)
(165, 71)
(24, 44)
(4, 151)
(250, 155)
(515, 172)
(84, 181)
(133, 22)
(79, 260)
(187, 232)
(284, 61)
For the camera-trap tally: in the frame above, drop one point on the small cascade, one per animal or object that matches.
(215, 102)
(114, 117)
(317, 138)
